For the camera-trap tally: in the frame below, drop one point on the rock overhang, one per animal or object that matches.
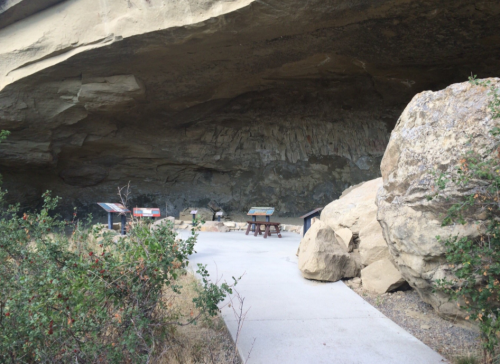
(242, 102)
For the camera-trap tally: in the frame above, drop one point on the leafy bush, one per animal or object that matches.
(476, 262)
(71, 294)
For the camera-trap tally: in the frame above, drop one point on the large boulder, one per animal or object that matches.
(354, 209)
(353, 217)
(372, 245)
(433, 132)
(214, 227)
(164, 221)
(345, 237)
(322, 258)
(381, 277)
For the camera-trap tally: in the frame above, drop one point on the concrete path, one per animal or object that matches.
(293, 320)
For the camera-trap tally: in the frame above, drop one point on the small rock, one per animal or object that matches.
(425, 327)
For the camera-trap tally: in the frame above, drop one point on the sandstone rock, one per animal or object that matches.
(354, 209)
(203, 214)
(214, 226)
(354, 283)
(353, 268)
(433, 132)
(241, 225)
(353, 217)
(344, 236)
(372, 245)
(381, 277)
(106, 94)
(168, 219)
(321, 257)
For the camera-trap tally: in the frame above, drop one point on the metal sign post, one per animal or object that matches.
(194, 212)
(115, 208)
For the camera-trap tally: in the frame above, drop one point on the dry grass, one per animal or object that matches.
(207, 341)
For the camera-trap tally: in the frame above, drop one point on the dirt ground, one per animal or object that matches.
(208, 341)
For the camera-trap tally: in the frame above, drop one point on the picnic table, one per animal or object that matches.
(267, 228)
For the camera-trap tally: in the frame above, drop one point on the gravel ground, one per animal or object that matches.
(418, 318)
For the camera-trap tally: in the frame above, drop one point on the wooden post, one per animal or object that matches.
(254, 218)
(110, 221)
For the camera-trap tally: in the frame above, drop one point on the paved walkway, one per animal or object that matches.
(293, 320)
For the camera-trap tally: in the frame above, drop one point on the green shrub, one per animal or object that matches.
(71, 294)
(476, 262)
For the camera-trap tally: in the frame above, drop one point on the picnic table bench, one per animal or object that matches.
(267, 228)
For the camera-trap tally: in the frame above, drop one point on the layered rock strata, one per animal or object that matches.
(282, 102)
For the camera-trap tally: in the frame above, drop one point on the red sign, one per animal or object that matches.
(147, 212)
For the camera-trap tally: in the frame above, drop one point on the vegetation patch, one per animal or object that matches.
(87, 295)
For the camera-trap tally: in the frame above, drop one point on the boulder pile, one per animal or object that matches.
(348, 242)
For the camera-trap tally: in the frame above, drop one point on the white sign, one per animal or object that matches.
(194, 212)
(115, 207)
(220, 213)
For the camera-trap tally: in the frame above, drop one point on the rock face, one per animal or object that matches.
(433, 133)
(322, 258)
(282, 103)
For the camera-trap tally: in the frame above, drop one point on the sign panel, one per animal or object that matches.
(113, 207)
(194, 212)
(261, 211)
(147, 212)
(220, 213)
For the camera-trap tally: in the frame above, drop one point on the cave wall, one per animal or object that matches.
(283, 103)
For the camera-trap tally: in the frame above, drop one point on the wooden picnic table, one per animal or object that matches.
(267, 228)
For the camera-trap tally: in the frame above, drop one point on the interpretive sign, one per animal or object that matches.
(261, 211)
(113, 207)
(147, 212)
